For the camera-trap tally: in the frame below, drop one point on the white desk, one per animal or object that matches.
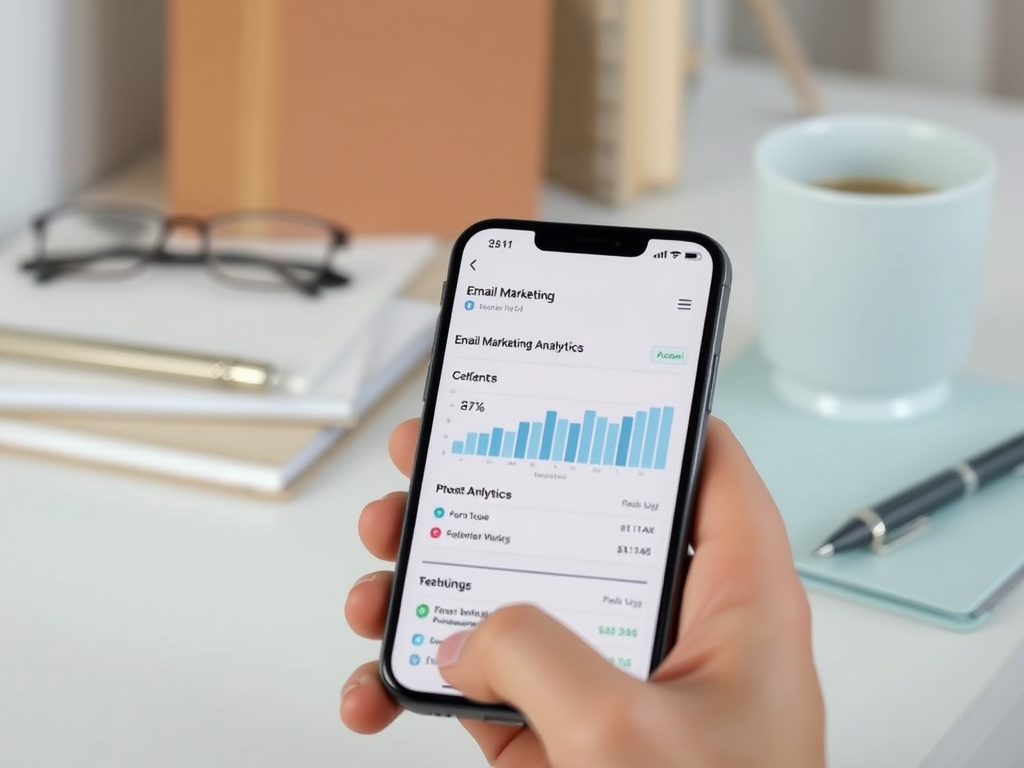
(147, 625)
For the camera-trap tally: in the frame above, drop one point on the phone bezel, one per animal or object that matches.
(624, 242)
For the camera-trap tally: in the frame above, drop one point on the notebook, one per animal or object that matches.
(29, 388)
(617, 90)
(258, 457)
(819, 471)
(307, 339)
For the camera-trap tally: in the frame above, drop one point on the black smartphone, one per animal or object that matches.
(564, 419)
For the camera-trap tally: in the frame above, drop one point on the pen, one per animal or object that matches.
(880, 525)
(180, 366)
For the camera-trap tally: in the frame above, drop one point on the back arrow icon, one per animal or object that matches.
(472, 265)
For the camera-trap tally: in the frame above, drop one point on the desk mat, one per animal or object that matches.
(819, 471)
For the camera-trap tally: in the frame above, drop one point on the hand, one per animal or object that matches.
(738, 689)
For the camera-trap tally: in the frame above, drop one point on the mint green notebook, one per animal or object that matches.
(820, 471)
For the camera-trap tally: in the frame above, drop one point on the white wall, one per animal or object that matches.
(81, 92)
(958, 44)
(946, 43)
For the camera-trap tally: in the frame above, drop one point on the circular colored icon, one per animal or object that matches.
(435, 533)
(439, 512)
(423, 610)
(469, 305)
(417, 639)
(414, 660)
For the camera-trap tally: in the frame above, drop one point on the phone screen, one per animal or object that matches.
(555, 450)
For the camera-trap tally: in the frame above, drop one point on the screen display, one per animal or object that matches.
(555, 455)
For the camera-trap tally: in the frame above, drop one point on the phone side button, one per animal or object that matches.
(712, 381)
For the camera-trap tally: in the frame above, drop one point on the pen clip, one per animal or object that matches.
(884, 540)
(894, 539)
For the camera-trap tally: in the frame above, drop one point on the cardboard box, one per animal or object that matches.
(385, 115)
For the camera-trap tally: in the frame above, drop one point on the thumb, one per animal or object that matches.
(521, 656)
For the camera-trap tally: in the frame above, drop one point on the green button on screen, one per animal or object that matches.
(671, 355)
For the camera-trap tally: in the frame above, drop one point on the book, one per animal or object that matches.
(307, 339)
(819, 471)
(255, 457)
(388, 116)
(291, 329)
(617, 96)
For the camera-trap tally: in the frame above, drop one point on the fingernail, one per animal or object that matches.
(448, 652)
(351, 685)
(364, 579)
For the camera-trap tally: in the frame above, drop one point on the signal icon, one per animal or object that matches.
(661, 255)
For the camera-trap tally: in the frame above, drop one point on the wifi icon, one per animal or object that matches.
(661, 255)
(676, 254)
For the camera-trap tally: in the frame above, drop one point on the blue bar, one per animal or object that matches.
(595, 453)
(456, 446)
(471, 443)
(663, 433)
(508, 444)
(583, 455)
(611, 445)
(652, 435)
(558, 451)
(624, 433)
(495, 441)
(639, 426)
(521, 437)
(481, 444)
(572, 442)
(549, 432)
(535, 429)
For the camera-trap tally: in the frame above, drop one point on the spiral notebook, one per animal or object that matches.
(972, 552)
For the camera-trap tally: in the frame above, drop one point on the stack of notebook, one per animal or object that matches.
(338, 354)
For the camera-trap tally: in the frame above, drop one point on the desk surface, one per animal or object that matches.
(148, 625)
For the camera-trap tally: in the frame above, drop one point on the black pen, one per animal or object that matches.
(879, 525)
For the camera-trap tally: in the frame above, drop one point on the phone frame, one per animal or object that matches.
(600, 241)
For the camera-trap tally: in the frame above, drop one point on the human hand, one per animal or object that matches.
(738, 689)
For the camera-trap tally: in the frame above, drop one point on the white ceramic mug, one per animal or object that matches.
(865, 302)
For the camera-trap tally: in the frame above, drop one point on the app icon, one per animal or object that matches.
(417, 639)
(414, 660)
(423, 610)
(469, 305)
(439, 512)
(435, 533)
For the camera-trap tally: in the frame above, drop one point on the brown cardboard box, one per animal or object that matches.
(385, 115)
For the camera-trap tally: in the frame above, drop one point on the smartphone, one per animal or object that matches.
(564, 418)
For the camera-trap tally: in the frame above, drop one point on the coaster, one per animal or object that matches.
(819, 471)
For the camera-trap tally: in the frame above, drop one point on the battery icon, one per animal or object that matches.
(692, 255)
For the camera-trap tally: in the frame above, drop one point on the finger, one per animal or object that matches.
(521, 656)
(402, 445)
(742, 553)
(380, 525)
(365, 706)
(506, 745)
(367, 604)
(740, 510)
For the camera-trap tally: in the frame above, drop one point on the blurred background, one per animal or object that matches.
(82, 82)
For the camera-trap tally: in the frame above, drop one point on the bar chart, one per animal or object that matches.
(639, 440)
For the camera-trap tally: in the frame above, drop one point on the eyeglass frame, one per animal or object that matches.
(324, 276)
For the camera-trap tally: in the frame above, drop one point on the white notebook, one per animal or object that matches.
(307, 339)
(332, 335)
(27, 389)
(259, 457)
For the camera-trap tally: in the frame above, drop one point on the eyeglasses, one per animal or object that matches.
(253, 249)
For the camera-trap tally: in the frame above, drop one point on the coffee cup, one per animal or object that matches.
(870, 241)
